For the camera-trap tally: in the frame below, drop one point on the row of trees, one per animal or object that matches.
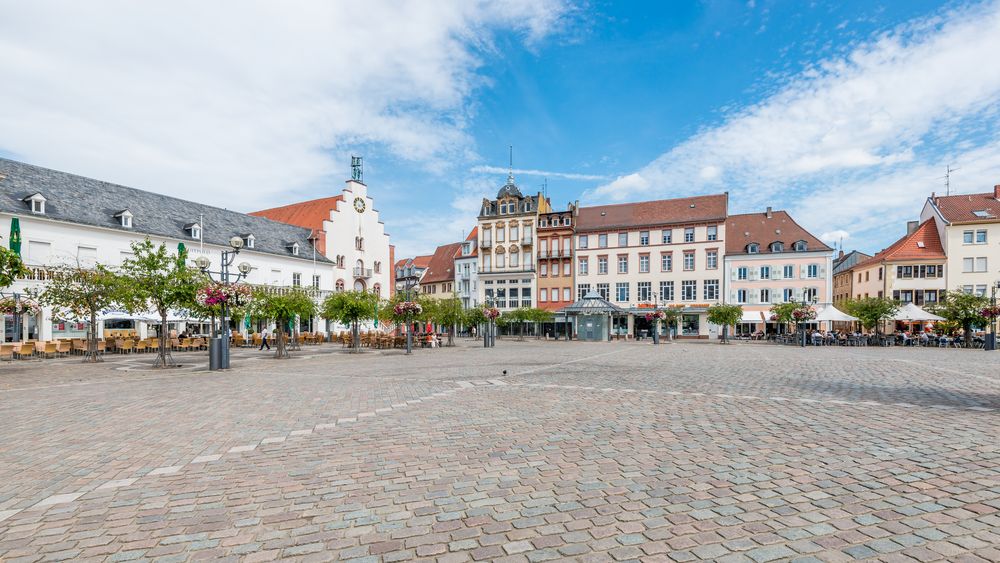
(959, 309)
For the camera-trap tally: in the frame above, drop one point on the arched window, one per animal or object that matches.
(800, 246)
(777, 247)
(377, 290)
(753, 248)
(340, 285)
(359, 243)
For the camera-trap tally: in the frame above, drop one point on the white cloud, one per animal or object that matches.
(834, 237)
(898, 106)
(529, 172)
(218, 101)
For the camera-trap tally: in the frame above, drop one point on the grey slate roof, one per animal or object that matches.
(76, 199)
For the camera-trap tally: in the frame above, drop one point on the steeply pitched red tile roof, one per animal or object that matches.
(962, 208)
(309, 214)
(474, 238)
(442, 264)
(743, 229)
(684, 210)
(922, 244)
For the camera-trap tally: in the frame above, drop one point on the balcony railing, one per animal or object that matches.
(462, 275)
(485, 244)
(362, 272)
(527, 240)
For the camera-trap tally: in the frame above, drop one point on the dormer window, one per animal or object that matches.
(249, 240)
(800, 246)
(777, 247)
(753, 248)
(37, 203)
(124, 218)
(294, 248)
(193, 229)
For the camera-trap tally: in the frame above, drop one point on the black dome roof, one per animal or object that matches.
(509, 189)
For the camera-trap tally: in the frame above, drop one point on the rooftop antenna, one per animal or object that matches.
(545, 187)
(947, 179)
(510, 166)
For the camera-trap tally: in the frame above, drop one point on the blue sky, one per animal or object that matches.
(844, 113)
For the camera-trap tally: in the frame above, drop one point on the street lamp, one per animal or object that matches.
(220, 359)
(991, 340)
(488, 338)
(409, 282)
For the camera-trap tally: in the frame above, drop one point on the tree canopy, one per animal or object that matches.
(871, 311)
(82, 293)
(282, 307)
(11, 267)
(963, 309)
(726, 316)
(350, 308)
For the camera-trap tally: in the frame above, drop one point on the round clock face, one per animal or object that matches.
(359, 205)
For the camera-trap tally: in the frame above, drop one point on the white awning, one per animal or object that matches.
(911, 312)
(115, 315)
(832, 313)
(753, 317)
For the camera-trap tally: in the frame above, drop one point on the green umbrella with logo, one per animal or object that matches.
(15, 235)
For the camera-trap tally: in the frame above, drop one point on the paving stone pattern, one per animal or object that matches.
(589, 452)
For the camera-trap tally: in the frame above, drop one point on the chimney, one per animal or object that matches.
(911, 226)
(996, 192)
(841, 256)
(768, 213)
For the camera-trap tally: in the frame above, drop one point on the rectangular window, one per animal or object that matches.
(555, 269)
(644, 263)
(711, 290)
(967, 237)
(602, 241)
(623, 264)
(668, 236)
(981, 290)
(543, 295)
(930, 296)
(666, 291)
(581, 241)
(644, 291)
(689, 234)
(981, 237)
(789, 295)
(713, 233)
(765, 296)
(812, 271)
(602, 264)
(582, 289)
(566, 293)
(667, 262)
(712, 259)
(584, 264)
(513, 232)
(765, 272)
(604, 290)
(981, 264)
(689, 290)
(500, 232)
(622, 239)
(968, 264)
(567, 268)
(741, 296)
(742, 273)
(513, 259)
(296, 279)
(789, 272)
(500, 260)
(644, 238)
(621, 292)
(689, 260)
(316, 279)
(543, 269)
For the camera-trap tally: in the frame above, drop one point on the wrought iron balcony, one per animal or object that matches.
(362, 272)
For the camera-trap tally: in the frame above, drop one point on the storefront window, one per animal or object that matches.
(689, 325)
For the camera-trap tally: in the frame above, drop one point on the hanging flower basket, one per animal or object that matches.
(491, 313)
(655, 316)
(991, 312)
(803, 314)
(217, 294)
(8, 306)
(407, 309)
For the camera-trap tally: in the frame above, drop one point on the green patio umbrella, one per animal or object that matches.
(15, 235)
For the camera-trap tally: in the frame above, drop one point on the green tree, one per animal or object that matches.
(82, 293)
(539, 316)
(871, 311)
(155, 279)
(350, 308)
(282, 306)
(11, 267)
(670, 318)
(964, 309)
(449, 313)
(475, 317)
(726, 316)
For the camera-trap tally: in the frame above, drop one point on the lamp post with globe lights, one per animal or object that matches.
(220, 359)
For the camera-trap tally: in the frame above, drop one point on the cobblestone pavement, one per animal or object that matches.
(592, 452)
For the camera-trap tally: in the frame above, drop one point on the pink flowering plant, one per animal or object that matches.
(803, 314)
(655, 316)
(216, 294)
(991, 312)
(491, 313)
(8, 306)
(407, 309)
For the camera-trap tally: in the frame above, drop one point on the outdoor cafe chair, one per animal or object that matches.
(141, 346)
(7, 352)
(63, 347)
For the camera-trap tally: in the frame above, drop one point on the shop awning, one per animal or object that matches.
(753, 317)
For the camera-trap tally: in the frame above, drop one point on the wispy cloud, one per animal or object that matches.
(545, 173)
(244, 104)
(846, 130)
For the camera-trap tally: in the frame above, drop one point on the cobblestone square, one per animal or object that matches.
(531, 451)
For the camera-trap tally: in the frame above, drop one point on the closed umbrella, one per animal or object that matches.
(15, 235)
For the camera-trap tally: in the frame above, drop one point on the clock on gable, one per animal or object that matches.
(359, 205)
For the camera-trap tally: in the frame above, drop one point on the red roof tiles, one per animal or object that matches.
(962, 208)
(308, 214)
(685, 210)
(765, 228)
(922, 244)
(442, 264)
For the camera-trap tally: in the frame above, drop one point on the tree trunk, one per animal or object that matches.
(967, 329)
(163, 357)
(280, 350)
(355, 336)
(451, 335)
(92, 355)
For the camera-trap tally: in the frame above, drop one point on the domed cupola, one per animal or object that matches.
(509, 189)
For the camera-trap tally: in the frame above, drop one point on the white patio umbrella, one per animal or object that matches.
(912, 313)
(832, 313)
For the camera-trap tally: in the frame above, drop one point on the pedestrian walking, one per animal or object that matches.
(263, 339)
